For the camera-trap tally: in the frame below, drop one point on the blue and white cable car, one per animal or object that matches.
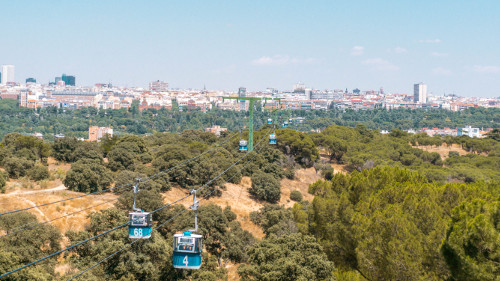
(285, 124)
(139, 225)
(140, 222)
(243, 145)
(187, 250)
(272, 139)
(188, 247)
(269, 121)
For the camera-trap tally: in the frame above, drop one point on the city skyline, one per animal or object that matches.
(452, 47)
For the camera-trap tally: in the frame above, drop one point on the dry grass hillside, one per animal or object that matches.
(21, 195)
(443, 150)
(237, 197)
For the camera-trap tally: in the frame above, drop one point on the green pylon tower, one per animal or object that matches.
(250, 110)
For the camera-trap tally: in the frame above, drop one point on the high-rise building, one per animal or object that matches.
(7, 74)
(242, 92)
(69, 80)
(30, 80)
(158, 86)
(420, 93)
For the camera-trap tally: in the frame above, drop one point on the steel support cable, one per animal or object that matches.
(234, 164)
(188, 160)
(114, 188)
(87, 240)
(67, 215)
(122, 225)
(162, 224)
(123, 248)
(35, 224)
(63, 250)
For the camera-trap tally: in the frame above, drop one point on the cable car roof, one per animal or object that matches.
(192, 235)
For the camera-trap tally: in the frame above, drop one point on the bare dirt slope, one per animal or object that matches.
(23, 198)
(237, 197)
(443, 150)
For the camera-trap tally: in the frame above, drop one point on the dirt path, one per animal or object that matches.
(25, 192)
(42, 214)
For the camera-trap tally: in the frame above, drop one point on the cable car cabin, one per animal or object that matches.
(243, 145)
(272, 139)
(139, 225)
(269, 121)
(285, 124)
(187, 250)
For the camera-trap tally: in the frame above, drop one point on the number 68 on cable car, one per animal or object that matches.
(140, 225)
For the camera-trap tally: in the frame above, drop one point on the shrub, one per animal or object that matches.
(290, 173)
(2, 184)
(453, 153)
(17, 167)
(296, 196)
(328, 173)
(265, 187)
(87, 176)
(38, 172)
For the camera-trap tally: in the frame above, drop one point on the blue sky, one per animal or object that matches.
(452, 46)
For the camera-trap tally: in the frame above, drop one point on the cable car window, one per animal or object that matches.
(186, 240)
(139, 220)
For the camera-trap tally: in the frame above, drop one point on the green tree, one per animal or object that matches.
(39, 172)
(265, 187)
(87, 176)
(24, 247)
(289, 257)
(17, 167)
(296, 196)
(472, 244)
(63, 148)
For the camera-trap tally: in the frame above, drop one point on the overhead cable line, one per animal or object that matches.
(170, 219)
(122, 225)
(115, 188)
(35, 224)
(28, 225)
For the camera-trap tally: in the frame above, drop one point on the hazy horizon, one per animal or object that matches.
(452, 47)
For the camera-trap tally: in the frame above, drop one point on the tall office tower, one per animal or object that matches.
(69, 80)
(242, 92)
(420, 93)
(7, 74)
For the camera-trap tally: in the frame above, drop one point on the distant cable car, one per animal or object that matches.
(187, 247)
(269, 121)
(140, 222)
(272, 139)
(187, 250)
(139, 225)
(243, 145)
(285, 124)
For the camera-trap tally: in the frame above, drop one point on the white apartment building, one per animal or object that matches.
(7, 74)
(420, 93)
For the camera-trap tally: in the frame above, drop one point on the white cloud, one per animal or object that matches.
(430, 41)
(400, 50)
(437, 54)
(357, 50)
(282, 60)
(486, 69)
(381, 64)
(441, 71)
